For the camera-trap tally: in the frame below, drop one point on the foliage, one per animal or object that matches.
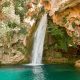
(13, 38)
(20, 8)
(60, 36)
(6, 4)
(13, 35)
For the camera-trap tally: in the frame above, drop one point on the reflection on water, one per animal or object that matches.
(44, 72)
(39, 73)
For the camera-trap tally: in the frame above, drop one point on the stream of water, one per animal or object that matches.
(39, 37)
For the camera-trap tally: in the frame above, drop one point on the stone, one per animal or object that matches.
(66, 13)
(77, 63)
(60, 5)
(12, 59)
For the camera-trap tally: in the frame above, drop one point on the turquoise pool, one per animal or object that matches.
(44, 72)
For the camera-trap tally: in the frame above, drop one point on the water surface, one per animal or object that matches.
(43, 72)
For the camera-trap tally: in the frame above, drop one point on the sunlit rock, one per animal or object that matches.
(60, 5)
(66, 13)
(77, 63)
(29, 21)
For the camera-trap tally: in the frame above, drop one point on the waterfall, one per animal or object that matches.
(38, 44)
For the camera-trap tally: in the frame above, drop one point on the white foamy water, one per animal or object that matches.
(38, 44)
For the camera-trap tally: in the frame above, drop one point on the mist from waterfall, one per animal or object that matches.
(38, 44)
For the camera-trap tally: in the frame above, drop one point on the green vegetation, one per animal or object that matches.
(6, 4)
(20, 8)
(12, 39)
(60, 36)
(17, 36)
(73, 25)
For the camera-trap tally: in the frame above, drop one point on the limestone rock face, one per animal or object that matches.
(66, 13)
(60, 5)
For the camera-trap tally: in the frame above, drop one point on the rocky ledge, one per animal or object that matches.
(12, 59)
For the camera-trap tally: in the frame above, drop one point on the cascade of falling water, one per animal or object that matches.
(38, 44)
